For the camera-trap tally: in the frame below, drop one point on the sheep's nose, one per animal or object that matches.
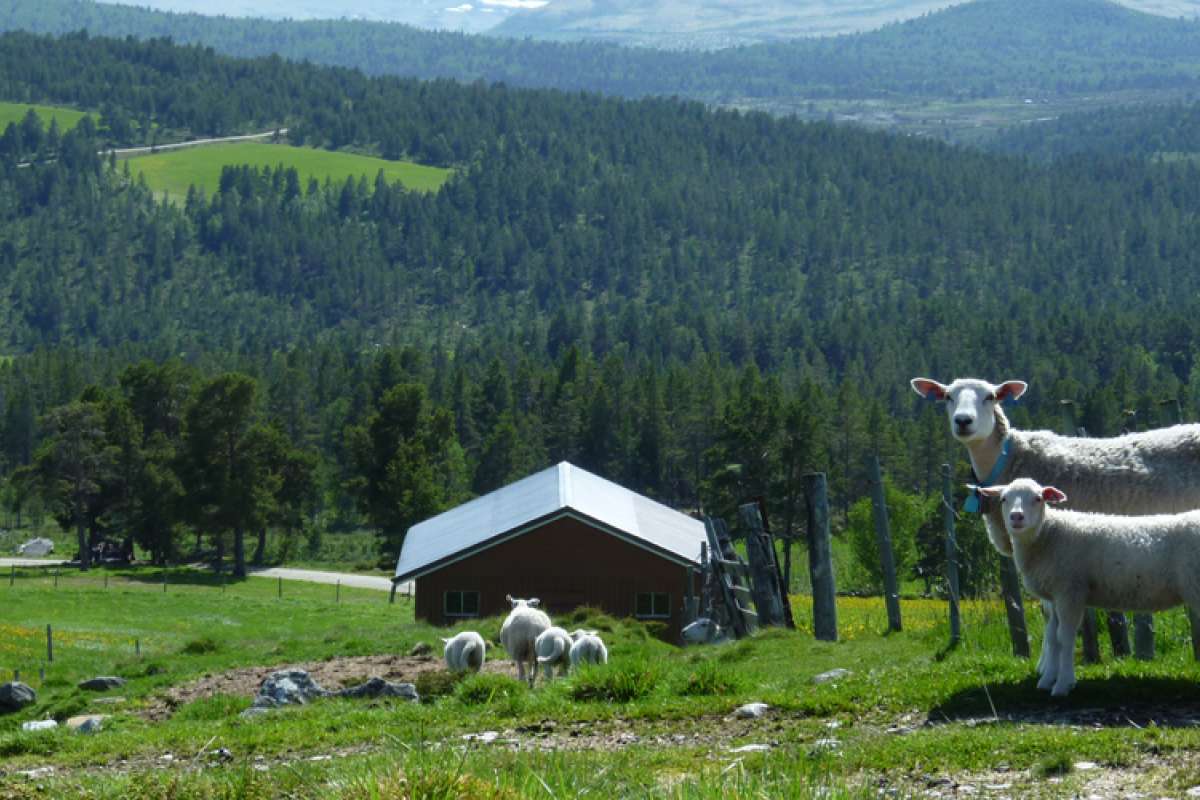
(963, 420)
(1017, 516)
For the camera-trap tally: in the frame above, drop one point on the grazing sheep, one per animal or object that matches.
(1155, 472)
(703, 631)
(587, 648)
(553, 648)
(465, 652)
(1076, 559)
(524, 623)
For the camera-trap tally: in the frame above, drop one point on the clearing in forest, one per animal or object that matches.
(15, 112)
(173, 172)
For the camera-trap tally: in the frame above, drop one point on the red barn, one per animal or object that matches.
(563, 535)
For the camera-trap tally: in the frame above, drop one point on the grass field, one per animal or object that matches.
(173, 172)
(15, 112)
(912, 717)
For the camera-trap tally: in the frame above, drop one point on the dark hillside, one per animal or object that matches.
(1142, 131)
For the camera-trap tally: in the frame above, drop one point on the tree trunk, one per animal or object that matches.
(239, 553)
(220, 557)
(85, 555)
(260, 550)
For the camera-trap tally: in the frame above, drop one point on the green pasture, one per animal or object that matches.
(174, 171)
(15, 112)
(655, 722)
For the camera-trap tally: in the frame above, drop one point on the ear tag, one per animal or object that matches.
(971, 504)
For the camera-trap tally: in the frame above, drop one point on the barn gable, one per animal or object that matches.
(561, 490)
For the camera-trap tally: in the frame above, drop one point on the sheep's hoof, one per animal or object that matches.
(1047, 682)
(1061, 690)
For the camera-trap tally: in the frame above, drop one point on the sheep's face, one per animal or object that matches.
(580, 633)
(702, 630)
(517, 602)
(1023, 503)
(970, 404)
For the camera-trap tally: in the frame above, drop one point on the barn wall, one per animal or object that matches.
(565, 563)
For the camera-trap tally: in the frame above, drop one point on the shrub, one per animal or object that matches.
(200, 646)
(709, 678)
(437, 683)
(617, 684)
(484, 689)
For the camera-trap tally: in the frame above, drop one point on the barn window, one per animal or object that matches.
(653, 605)
(462, 604)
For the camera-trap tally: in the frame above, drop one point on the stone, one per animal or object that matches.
(751, 711)
(86, 723)
(1193, 792)
(751, 748)
(36, 548)
(832, 675)
(39, 725)
(378, 687)
(16, 695)
(484, 737)
(109, 701)
(102, 684)
(420, 649)
(288, 687)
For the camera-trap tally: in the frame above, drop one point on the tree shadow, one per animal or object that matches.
(1115, 702)
(181, 576)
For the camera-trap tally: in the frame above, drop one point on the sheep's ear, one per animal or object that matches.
(445, 641)
(510, 600)
(533, 602)
(1010, 390)
(1052, 495)
(989, 491)
(928, 388)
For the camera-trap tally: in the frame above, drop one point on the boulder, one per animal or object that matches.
(39, 725)
(288, 687)
(86, 723)
(102, 683)
(36, 548)
(378, 687)
(832, 675)
(16, 695)
(751, 711)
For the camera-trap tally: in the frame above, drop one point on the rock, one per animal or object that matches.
(102, 683)
(751, 711)
(420, 649)
(378, 687)
(1193, 792)
(35, 774)
(109, 701)
(288, 687)
(832, 675)
(39, 725)
(826, 744)
(16, 695)
(484, 737)
(751, 748)
(86, 723)
(36, 548)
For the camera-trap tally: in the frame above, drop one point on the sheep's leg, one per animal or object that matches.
(1070, 616)
(1048, 663)
(521, 670)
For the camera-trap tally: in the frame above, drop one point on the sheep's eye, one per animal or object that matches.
(991, 398)
(1037, 499)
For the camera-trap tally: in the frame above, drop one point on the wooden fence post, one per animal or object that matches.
(883, 537)
(49, 644)
(764, 577)
(1088, 631)
(951, 555)
(1143, 636)
(820, 558)
(1014, 607)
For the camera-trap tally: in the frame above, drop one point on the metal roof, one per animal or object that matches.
(559, 490)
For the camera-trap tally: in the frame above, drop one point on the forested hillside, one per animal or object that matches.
(979, 49)
(697, 304)
(1139, 131)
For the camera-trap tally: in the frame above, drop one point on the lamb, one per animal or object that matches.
(524, 623)
(703, 631)
(587, 648)
(1076, 559)
(464, 652)
(553, 648)
(1156, 472)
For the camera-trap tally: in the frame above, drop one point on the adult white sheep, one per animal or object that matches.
(704, 631)
(553, 647)
(587, 648)
(1076, 559)
(1155, 472)
(524, 623)
(464, 652)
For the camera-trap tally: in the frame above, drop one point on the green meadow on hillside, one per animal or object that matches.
(15, 112)
(655, 722)
(174, 171)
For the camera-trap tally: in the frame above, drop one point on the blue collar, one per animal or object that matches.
(972, 503)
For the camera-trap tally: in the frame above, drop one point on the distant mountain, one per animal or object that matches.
(978, 50)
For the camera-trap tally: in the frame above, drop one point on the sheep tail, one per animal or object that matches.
(556, 655)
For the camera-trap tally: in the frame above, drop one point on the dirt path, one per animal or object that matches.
(344, 578)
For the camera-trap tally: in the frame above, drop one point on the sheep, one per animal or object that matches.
(1076, 559)
(703, 631)
(464, 652)
(553, 647)
(524, 623)
(587, 648)
(1155, 472)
